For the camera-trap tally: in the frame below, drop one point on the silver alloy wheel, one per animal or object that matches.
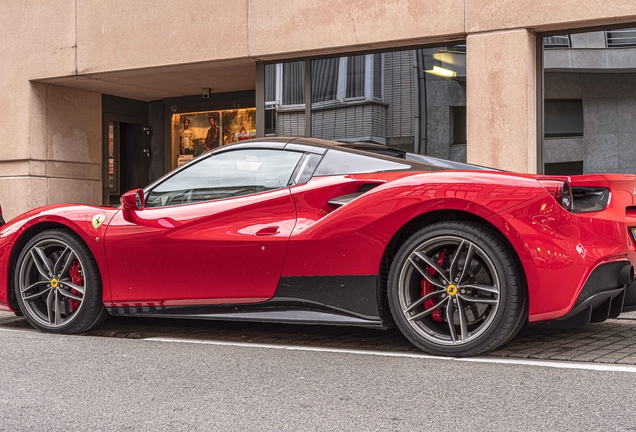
(463, 285)
(45, 284)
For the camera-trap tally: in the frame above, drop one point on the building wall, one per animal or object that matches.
(63, 151)
(135, 34)
(77, 40)
(501, 100)
(608, 143)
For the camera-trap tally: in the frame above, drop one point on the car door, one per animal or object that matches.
(215, 232)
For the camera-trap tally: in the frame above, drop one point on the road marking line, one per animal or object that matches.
(27, 330)
(510, 361)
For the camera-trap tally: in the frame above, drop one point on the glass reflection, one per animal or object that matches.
(414, 100)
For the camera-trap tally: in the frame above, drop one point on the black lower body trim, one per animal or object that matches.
(354, 295)
(254, 314)
(334, 300)
(630, 298)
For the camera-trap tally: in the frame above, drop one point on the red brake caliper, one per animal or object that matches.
(75, 272)
(428, 288)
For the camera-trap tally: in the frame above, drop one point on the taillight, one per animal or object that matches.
(560, 190)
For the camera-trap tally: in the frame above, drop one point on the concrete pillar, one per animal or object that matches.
(501, 101)
(54, 152)
(74, 146)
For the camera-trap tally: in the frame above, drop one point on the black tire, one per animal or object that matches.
(481, 306)
(58, 284)
(101, 318)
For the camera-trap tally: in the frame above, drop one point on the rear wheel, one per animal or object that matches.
(455, 289)
(58, 285)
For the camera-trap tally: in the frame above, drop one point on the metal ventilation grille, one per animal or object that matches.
(562, 41)
(621, 38)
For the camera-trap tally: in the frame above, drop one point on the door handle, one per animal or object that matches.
(270, 230)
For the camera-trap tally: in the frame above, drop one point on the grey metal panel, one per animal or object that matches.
(306, 148)
(269, 143)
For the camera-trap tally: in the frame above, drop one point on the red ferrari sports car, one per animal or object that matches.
(312, 231)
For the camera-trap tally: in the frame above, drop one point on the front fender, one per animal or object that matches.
(77, 218)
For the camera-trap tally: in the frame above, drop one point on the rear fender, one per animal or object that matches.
(353, 238)
(559, 250)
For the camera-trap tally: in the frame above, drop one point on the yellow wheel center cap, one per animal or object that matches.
(54, 283)
(451, 290)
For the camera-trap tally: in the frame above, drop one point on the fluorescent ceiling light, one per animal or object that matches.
(443, 72)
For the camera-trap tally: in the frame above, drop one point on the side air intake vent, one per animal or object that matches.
(341, 200)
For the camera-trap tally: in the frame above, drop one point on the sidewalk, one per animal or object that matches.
(613, 341)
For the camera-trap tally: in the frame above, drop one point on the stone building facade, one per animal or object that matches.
(80, 75)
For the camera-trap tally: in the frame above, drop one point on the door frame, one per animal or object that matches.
(145, 144)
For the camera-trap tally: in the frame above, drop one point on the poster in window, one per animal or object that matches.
(195, 133)
(239, 125)
(213, 134)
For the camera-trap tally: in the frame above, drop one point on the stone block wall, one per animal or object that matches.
(608, 143)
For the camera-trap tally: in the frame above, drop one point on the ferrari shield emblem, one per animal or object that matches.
(98, 220)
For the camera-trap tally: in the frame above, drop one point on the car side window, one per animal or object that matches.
(336, 162)
(224, 175)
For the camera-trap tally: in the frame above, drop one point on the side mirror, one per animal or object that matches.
(132, 202)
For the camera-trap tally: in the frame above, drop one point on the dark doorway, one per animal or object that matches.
(133, 162)
(128, 158)
(126, 146)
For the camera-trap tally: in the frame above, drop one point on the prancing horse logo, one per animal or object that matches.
(98, 220)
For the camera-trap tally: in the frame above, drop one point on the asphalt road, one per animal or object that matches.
(87, 383)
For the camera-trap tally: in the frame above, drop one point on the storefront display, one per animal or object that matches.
(113, 163)
(197, 132)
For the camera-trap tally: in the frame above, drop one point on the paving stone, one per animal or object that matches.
(572, 345)
(610, 358)
(590, 356)
(522, 354)
(567, 356)
(607, 342)
(544, 355)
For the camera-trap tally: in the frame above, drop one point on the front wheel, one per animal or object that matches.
(58, 285)
(455, 289)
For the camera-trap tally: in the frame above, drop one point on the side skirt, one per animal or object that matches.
(330, 300)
